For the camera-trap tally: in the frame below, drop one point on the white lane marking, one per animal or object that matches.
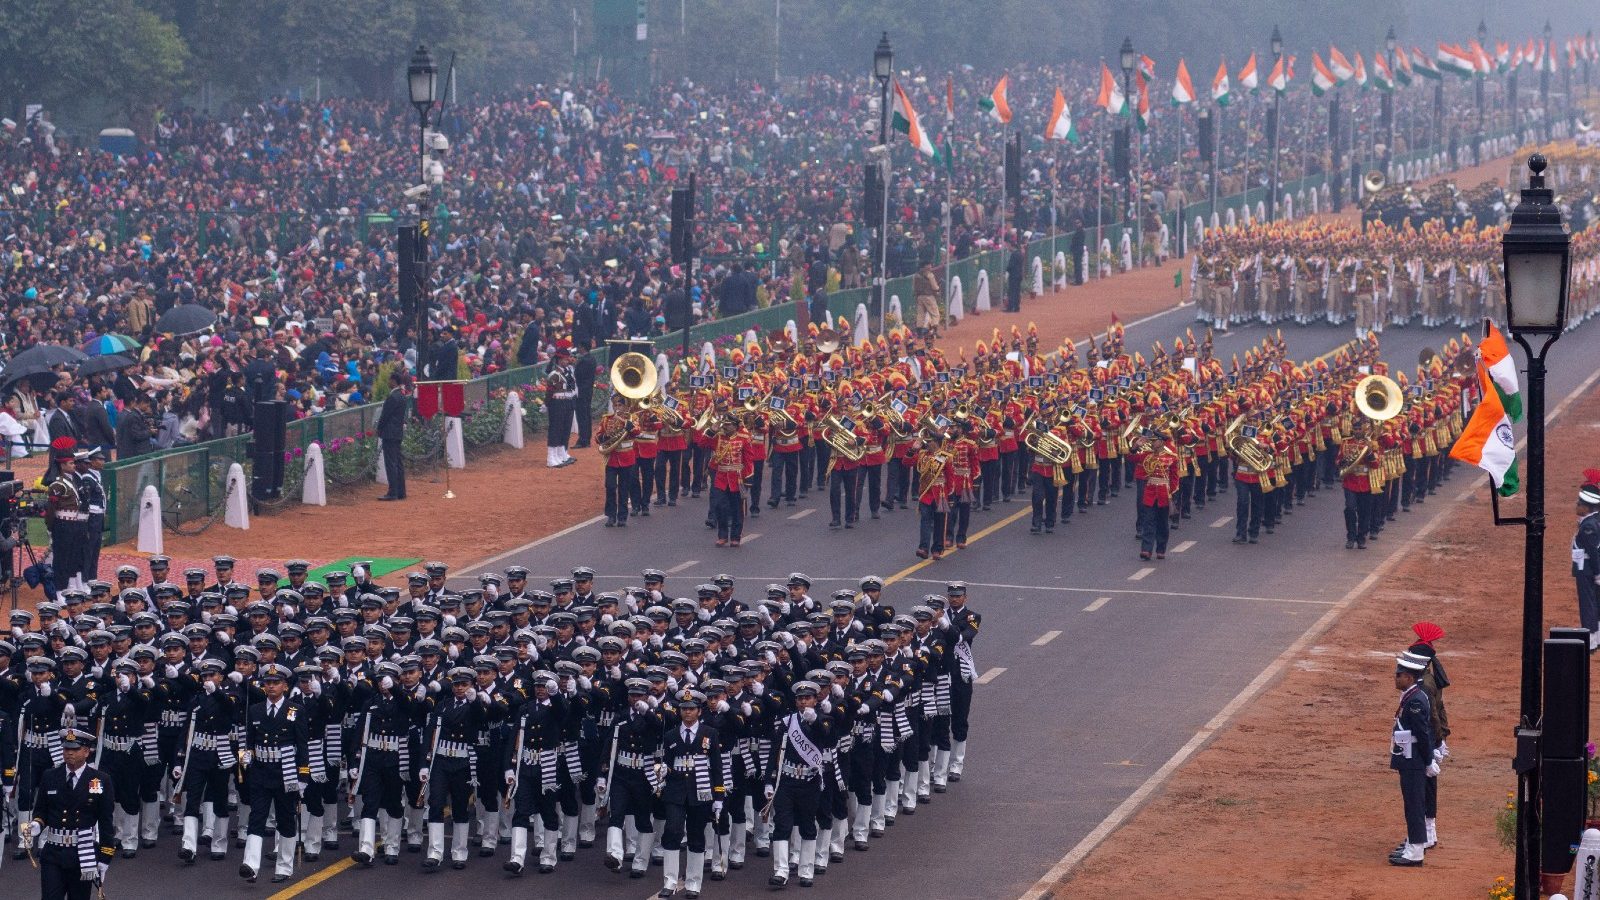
(489, 563)
(991, 675)
(1046, 638)
(1045, 886)
(803, 513)
(1183, 546)
(1098, 602)
(748, 538)
(683, 566)
(1222, 521)
(1142, 574)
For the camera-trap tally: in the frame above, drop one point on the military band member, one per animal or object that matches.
(1160, 478)
(617, 436)
(1359, 459)
(731, 463)
(933, 469)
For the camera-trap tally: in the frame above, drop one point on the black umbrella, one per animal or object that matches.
(45, 355)
(96, 365)
(187, 319)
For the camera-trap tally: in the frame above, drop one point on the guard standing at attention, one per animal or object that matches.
(1411, 754)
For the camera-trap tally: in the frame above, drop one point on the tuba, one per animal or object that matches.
(1374, 181)
(1379, 398)
(633, 376)
(1051, 448)
(1246, 450)
(844, 442)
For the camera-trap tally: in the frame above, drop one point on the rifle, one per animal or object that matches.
(516, 765)
(188, 743)
(361, 761)
(604, 803)
(99, 733)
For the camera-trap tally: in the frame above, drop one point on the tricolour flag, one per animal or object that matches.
(1060, 127)
(1278, 80)
(1143, 88)
(1402, 67)
(1322, 81)
(1424, 66)
(1148, 67)
(1382, 77)
(1452, 58)
(905, 121)
(1111, 99)
(1247, 75)
(1502, 57)
(995, 104)
(1549, 56)
(1220, 94)
(1361, 71)
(1481, 64)
(1487, 441)
(1182, 87)
(1339, 65)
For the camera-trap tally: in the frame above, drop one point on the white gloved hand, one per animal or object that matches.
(837, 691)
(386, 683)
(511, 776)
(672, 684)
(423, 776)
(745, 710)
(716, 809)
(758, 688)
(808, 715)
(146, 682)
(472, 694)
(655, 702)
(639, 706)
(767, 791)
(606, 620)
(27, 827)
(704, 615)
(771, 658)
(448, 620)
(585, 684)
(316, 687)
(944, 621)
(210, 686)
(236, 677)
(888, 695)
(722, 706)
(434, 687)
(1433, 769)
(334, 676)
(655, 641)
(614, 673)
(826, 706)
(177, 774)
(124, 683)
(864, 711)
(1444, 750)
(223, 638)
(636, 645)
(856, 626)
(45, 689)
(171, 670)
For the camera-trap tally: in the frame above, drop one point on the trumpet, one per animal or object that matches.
(670, 417)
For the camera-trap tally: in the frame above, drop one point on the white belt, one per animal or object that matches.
(60, 837)
(208, 741)
(119, 743)
(270, 754)
(36, 741)
(65, 516)
(802, 772)
(634, 760)
(383, 742)
(453, 750)
(174, 718)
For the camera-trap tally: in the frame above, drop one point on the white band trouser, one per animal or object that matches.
(311, 828)
(489, 829)
(862, 819)
(819, 852)
(840, 830)
(923, 780)
(941, 767)
(460, 838)
(586, 819)
(641, 854)
(671, 869)
(1433, 832)
(191, 834)
(436, 841)
(252, 854)
(891, 800)
(391, 834)
(150, 821)
(780, 859)
(877, 812)
(367, 839)
(569, 834)
(615, 843)
(736, 837)
(695, 875)
(285, 861)
(519, 848)
(808, 856)
(958, 757)
(548, 852)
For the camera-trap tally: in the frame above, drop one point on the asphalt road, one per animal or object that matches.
(1096, 667)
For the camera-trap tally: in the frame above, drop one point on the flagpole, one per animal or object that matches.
(1177, 162)
(1217, 163)
(1099, 197)
(1244, 191)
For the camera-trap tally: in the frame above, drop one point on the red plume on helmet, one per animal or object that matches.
(1591, 476)
(1427, 632)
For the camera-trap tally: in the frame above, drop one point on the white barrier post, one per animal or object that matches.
(896, 314)
(513, 436)
(150, 520)
(455, 449)
(1058, 279)
(862, 331)
(980, 302)
(236, 513)
(793, 331)
(314, 490)
(1586, 880)
(382, 475)
(955, 307)
(1038, 277)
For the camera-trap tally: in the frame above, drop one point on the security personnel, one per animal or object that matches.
(1586, 556)
(276, 761)
(72, 819)
(1411, 754)
(453, 736)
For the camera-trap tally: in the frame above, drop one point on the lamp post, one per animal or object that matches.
(1274, 127)
(422, 79)
(883, 69)
(1477, 87)
(1537, 251)
(1544, 80)
(1128, 61)
(1387, 108)
(422, 83)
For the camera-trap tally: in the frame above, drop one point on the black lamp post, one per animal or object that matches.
(1537, 250)
(422, 83)
(422, 80)
(1477, 87)
(883, 70)
(1274, 126)
(1544, 80)
(1128, 61)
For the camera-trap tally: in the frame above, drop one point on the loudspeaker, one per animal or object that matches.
(1207, 139)
(1566, 699)
(872, 208)
(270, 436)
(1121, 166)
(1014, 166)
(682, 235)
(1563, 800)
(1272, 124)
(619, 347)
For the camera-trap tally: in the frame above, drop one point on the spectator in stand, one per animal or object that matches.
(134, 433)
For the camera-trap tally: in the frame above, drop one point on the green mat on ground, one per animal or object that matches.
(380, 566)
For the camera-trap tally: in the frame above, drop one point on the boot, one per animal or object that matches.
(694, 874)
(736, 838)
(313, 837)
(126, 827)
(614, 848)
(924, 781)
(366, 842)
(218, 826)
(252, 858)
(460, 842)
(1433, 834)
(550, 852)
(891, 801)
(391, 839)
(1410, 855)
(435, 847)
(586, 819)
(519, 850)
(284, 869)
(415, 828)
(859, 825)
(149, 824)
(941, 770)
(877, 819)
(569, 838)
(808, 858)
(780, 864)
(671, 870)
(958, 758)
(330, 830)
(191, 839)
(489, 833)
(641, 856)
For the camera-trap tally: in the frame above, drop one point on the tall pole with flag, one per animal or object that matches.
(1058, 128)
(1130, 189)
(1384, 70)
(999, 109)
(1274, 82)
(1182, 97)
(1248, 82)
(1221, 96)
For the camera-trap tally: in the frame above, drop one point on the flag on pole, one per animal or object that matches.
(905, 121)
(950, 96)
(1487, 441)
(1247, 75)
(995, 104)
(1182, 87)
(1481, 66)
(1143, 87)
(1424, 66)
(1361, 72)
(1322, 81)
(1111, 99)
(1452, 58)
(1148, 67)
(1279, 79)
(1341, 68)
(1219, 85)
(1060, 127)
(1382, 77)
(1549, 56)
(1402, 67)
(1502, 57)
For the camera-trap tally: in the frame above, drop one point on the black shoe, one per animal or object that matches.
(954, 777)
(1252, 540)
(1238, 539)
(862, 846)
(387, 497)
(247, 873)
(613, 863)
(763, 852)
(611, 522)
(672, 502)
(361, 859)
(635, 873)
(1349, 545)
(694, 895)
(413, 848)
(311, 857)
(129, 854)
(458, 864)
(835, 856)
(939, 789)
(777, 881)
(665, 893)
(736, 864)
(279, 878)
(835, 523)
(1035, 530)
(1361, 545)
(1402, 861)
(430, 866)
(186, 856)
(391, 859)
(622, 523)
(483, 852)
(218, 857)
(546, 869)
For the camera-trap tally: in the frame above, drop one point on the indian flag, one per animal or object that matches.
(1381, 76)
(1111, 99)
(1487, 441)
(1342, 70)
(905, 121)
(1480, 59)
(1402, 68)
(1361, 72)
(1502, 57)
(1143, 87)
(1247, 75)
(1279, 79)
(1060, 127)
(1182, 87)
(1220, 94)
(1424, 66)
(1322, 81)
(1453, 58)
(995, 104)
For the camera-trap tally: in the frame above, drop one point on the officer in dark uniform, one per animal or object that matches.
(452, 743)
(385, 709)
(1411, 754)
(276, 762)
(206, 764)
(631, 784)
(871, 611)
(531, 763)
(72, 820)
(963, 630)
(795, 778)
(691, 794)
(1586, 557)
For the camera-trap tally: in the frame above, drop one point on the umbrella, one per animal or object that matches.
(111, 343)
(108, 363)
(45, 355)
(187, 319)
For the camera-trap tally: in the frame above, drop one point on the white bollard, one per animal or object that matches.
(663, 373)
(237, 511)
(382, 476)
(956, 305)
(513, 436)
(980, 301)
(708, 355)
(1038, 277)
(1199, 231)
(793, 331)
(150, 520)
(863, 332)
(1058, 279)
(895, 312)
(1288, 207)
(1586, 871)
(314, 491)
(1233, 218)
(455, 449)
(1261, 210)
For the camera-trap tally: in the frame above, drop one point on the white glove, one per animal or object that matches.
(837, 691)
(745, 710)
(722, 706)
(423, 776)
(472, 694)
(864, 711)
(826, 706)
(285, 611)
(767, 791)
(600, 792)
(636, 645)
(147, 682)
(1443, 751)
(614, 673)
(672, 684)
(386, 683)
(210, 686)
(771, 658)
(511, 776)
(655, 641)
(808, 715)
(705, 615)
(177, 774)
(448, 620)
(606, 620)
(172, 671)
(888, 695)
(245, 757)
(236, 677)
(316, 688)
(44, 689)
(453, 651)
(585, 683)
(17, 632)
(639, 706)
(124, 683)
(434, 687)
(758, 688)
(655, 701)
(224, 638)
(783, 608)
(944, 621)
(855, 626)
(1433, 769)
(419, 693)
(333, 674)
(716, 809)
